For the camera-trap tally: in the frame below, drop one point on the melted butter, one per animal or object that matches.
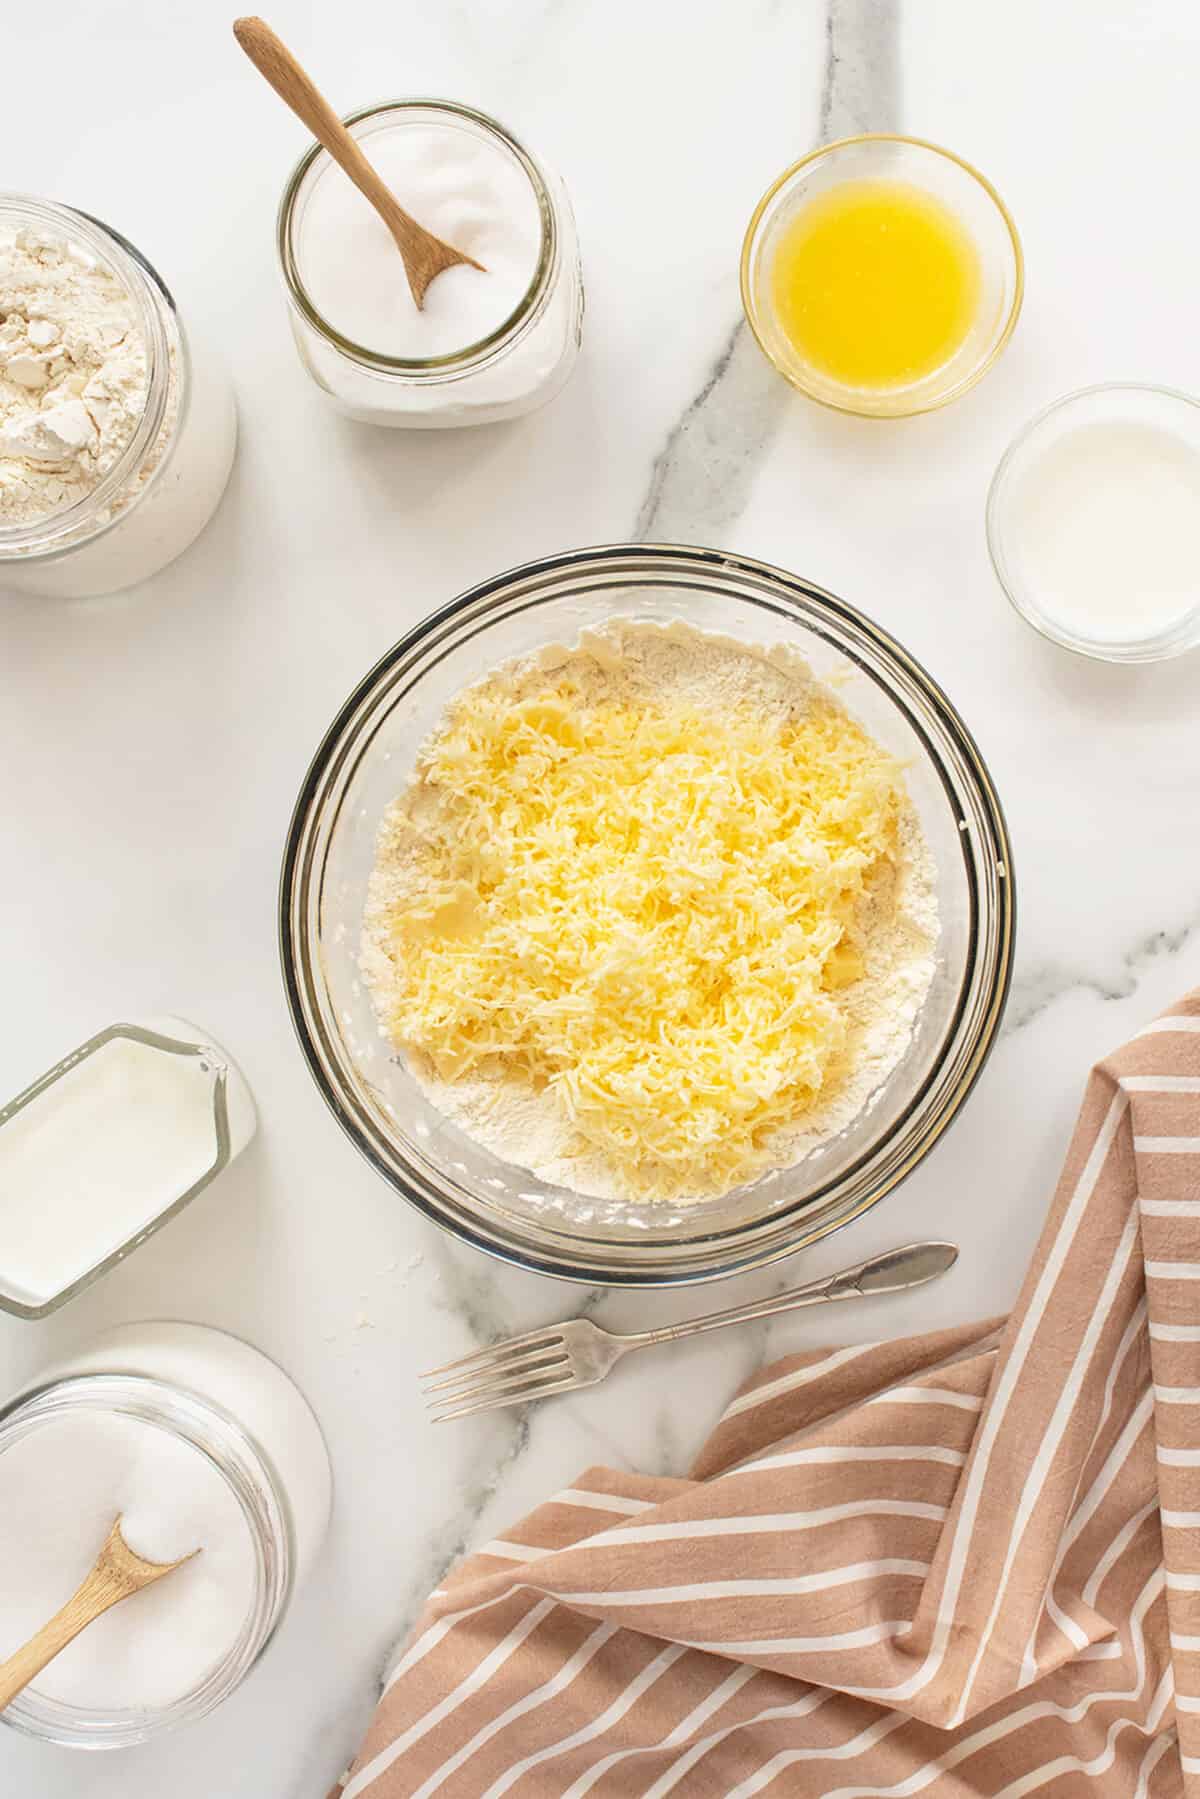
(875, 284)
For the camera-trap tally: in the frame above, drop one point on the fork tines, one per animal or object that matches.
(528, 1367)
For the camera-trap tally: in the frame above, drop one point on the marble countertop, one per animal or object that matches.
(152, 745)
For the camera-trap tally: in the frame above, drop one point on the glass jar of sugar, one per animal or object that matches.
(197, 1441)
(117, 424)
(486, 345)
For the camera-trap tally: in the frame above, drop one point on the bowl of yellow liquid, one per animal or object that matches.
(882, 275)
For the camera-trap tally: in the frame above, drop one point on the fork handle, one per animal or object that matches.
(892, 1272)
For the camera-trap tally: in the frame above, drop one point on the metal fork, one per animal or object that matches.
(562, 1357)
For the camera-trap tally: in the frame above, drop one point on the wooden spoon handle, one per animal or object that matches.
(101, 1589)
(273, 60)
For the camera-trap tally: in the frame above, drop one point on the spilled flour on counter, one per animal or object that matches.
(806, 903)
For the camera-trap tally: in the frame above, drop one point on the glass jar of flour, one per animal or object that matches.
(197, 1441)
(489, 343)
(117, 426)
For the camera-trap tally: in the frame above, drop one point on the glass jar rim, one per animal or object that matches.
(471, 355)
(228, 1448)
(61, 532)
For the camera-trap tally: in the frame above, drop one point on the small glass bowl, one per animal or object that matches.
(367, 756)
(238, 1460)
(967, 194)
(1113, 402)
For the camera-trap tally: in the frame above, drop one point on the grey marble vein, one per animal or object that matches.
(861, 88)
(466, 1288)
(702, 476)
(341, 1733)
(1035, 992)
(470, 1288)
(458, 1536)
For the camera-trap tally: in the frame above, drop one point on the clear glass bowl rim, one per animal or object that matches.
(968, 381)
(1148, 649)
(759, 1242)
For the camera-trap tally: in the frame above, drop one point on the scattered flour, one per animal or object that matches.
(895, 933)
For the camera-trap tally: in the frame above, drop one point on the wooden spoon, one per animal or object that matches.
(425, 256)
(116, 1573)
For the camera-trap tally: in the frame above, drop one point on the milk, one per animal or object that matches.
(1104, 525)
(94, 1156)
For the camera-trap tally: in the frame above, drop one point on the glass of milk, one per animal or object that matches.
(485, 346)
(105, 1147)
(1093, 522)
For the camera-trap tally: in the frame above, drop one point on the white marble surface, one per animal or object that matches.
(152, 746)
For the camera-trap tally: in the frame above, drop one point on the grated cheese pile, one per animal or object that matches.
(645, 908)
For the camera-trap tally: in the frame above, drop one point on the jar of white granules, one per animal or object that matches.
(488, 344)
(198, 1441)
(117, 427)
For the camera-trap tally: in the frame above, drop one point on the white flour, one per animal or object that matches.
(73, 375)
(896, 933)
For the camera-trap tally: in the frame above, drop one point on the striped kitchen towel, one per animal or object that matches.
(965, 1563)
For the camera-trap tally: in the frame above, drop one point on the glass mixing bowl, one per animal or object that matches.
(366, 758)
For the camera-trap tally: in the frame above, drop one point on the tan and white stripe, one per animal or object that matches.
(968, 1562)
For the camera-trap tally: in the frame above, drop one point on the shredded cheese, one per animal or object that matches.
(647, 909)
